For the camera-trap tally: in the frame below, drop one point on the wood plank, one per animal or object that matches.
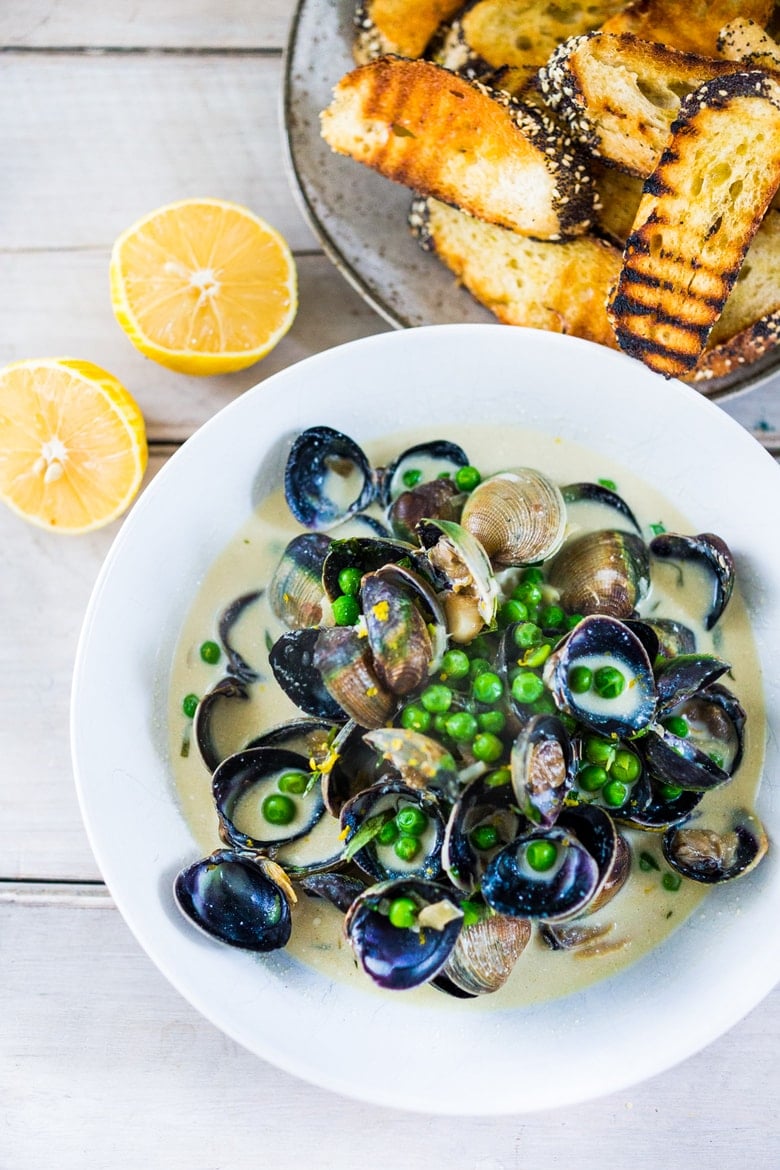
(176, 24)
(180, 1094)
(93, 142)
(58, 303)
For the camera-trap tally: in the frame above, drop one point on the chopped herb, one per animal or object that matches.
(609, 484)
(671, 882)
(647, 862)
(367, 832)
(269, 642)
(657, 529)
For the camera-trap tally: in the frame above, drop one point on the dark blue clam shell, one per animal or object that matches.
(253, 771)
(211, 744)
(398, 958)
(597, 493)
(295, 591)
(683, 676)
(479, 804)
(612, 641)
(650, 807)
(233, 898)
(292, 662)
(317, 457)
(237, 664)
(541, 764)
(442, 457)
(379, 861)
(677, 761)
(712, 553)
(511, 887)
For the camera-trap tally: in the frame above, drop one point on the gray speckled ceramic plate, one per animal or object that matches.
(360, 217)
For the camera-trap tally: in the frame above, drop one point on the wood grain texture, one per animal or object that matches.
(57, 302)
(93, 142)
(175, 24)
(104, 1065)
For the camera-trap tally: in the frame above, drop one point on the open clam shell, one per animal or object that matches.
(400, 957)
(295, 593)
(601, 572)
(714, 557)
(485, 953)
(327, 478)
(511, 885)
(380, 805)
(467, 849)
(518, 516)
(541, 768)
(422, 463)
(705, 855)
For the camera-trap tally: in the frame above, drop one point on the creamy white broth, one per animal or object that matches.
(643, 913)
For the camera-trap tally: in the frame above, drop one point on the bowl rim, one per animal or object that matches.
(119, 757)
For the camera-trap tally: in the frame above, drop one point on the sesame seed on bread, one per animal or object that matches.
(700, 210)
(442, 135)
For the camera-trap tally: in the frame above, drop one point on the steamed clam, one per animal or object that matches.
(500, 709)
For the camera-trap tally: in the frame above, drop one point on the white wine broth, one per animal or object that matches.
(644, 912)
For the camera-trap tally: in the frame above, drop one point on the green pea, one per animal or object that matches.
(440, 724)
(718, 760)
(388, 833)
(278, 809)
(472, 912)
(625, 766)
(647, 862)
(210, 652)
(487, 747)
(528, 592)
(294, 782)
(592, 777)
(346, 610)
(669, 791)
(487, 687)
(534, 575)
(411, 477)
(671, 881)
(541, 855)
(189, 705)
(544, 705)
(538, 656)
(498, 778)
(614, 793)
(512, 611)
(407, 847)
(599, 751)
(462, 726)
(552, 617)
(527, 634)
(436, 698)
(479, 665)
(526, 687)
(677, 725)
(572, 620)
(467, 478)
(494, 721)
(402, 912)
(349, 581)
(609, 682)
(484, 837)
(416, 718)
(454, 664)
(580, 679)
(411, 820)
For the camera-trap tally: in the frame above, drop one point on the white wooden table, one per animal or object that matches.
(107, 111)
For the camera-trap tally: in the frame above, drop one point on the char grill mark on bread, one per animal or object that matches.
(690, 25)
(442, 135)
(698, 214)
(621, 94)
(397, 26)
(561, 287)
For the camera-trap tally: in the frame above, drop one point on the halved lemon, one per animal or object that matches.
(72, 444)
(203, 286)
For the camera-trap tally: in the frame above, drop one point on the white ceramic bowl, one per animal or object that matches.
(665, 1007)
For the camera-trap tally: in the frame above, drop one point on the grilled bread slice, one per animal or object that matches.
(559, 287)
(619, 195)
(745, 347)
(621, 94)
(398, 26)
(442, 135)
(756, 293)
(697, 217)
(489, 34)
(745, 41)
(690, 25)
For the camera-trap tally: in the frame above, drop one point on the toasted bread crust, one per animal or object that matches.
(697, 217)
(403, 27)
(489, 34)
(621, 94)
(561, 287)
(442, 135)
(745, 41)
(752, 343)
(690, 25)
